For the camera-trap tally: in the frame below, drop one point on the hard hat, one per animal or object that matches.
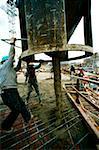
(4, 58)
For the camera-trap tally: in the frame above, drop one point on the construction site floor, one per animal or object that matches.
(44, 131)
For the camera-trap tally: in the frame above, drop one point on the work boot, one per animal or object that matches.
(27, 100)
(39, 98)
(7, 130)
(40, 102)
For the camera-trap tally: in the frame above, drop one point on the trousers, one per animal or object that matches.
(33, 82)
(12, 99)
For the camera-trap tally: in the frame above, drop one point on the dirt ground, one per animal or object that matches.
(46, 88)
(47, 111)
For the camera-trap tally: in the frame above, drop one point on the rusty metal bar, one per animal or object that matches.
(65, 112)
(94, 105)
(60, 126)
(69, 133)
(70, 112)
(88, 80)
(9, 43)
(44, 130)
(26, 127)
(88, 121)
(22, 39)
(38, 132)
(79, 141)
(55, 137)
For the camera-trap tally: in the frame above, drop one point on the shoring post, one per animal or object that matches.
(57, 85)
(77, 97)
(57, 75)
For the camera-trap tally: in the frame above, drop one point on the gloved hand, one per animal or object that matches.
(12, 40)
(19, 57)
(41, 61)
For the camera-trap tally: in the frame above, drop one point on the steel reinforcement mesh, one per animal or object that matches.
(68, 133)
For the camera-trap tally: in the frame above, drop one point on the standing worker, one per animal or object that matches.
(81, 74)
(72, 71)
(32, 80)
(9, 92)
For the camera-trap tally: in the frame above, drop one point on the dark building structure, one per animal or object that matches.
(49, 25)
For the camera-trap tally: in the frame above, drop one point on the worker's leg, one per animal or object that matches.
(29, 90)
(8, 122)
(35, 84)
(26, 78)
(12, 99)
(9, 99)
(24, 112)
(21, 107)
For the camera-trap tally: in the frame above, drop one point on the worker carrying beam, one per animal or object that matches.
(9, 92)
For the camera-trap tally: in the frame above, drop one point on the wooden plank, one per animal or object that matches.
(84, 115)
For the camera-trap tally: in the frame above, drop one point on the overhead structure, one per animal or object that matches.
(49, 24)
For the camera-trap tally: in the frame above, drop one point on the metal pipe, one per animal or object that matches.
(22, 39)
(9, 43)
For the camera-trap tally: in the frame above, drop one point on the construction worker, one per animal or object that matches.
(9, 92)
(32, 80)
(72, 72)
(81, 72)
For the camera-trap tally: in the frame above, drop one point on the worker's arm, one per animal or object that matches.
(18, 67)
(10, 60)
(12, 49)
(12, 52)
(37, 66)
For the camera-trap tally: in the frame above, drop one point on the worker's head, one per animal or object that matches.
(72, 66)
(4, 58)
(30, 66)
(80, 68)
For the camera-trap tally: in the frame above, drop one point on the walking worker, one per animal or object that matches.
(9, 92)
(32, 80)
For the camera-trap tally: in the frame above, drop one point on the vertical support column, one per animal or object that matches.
(57, 84)
(87, 25)
(57, 72)
(77, 97)
(20, 6)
